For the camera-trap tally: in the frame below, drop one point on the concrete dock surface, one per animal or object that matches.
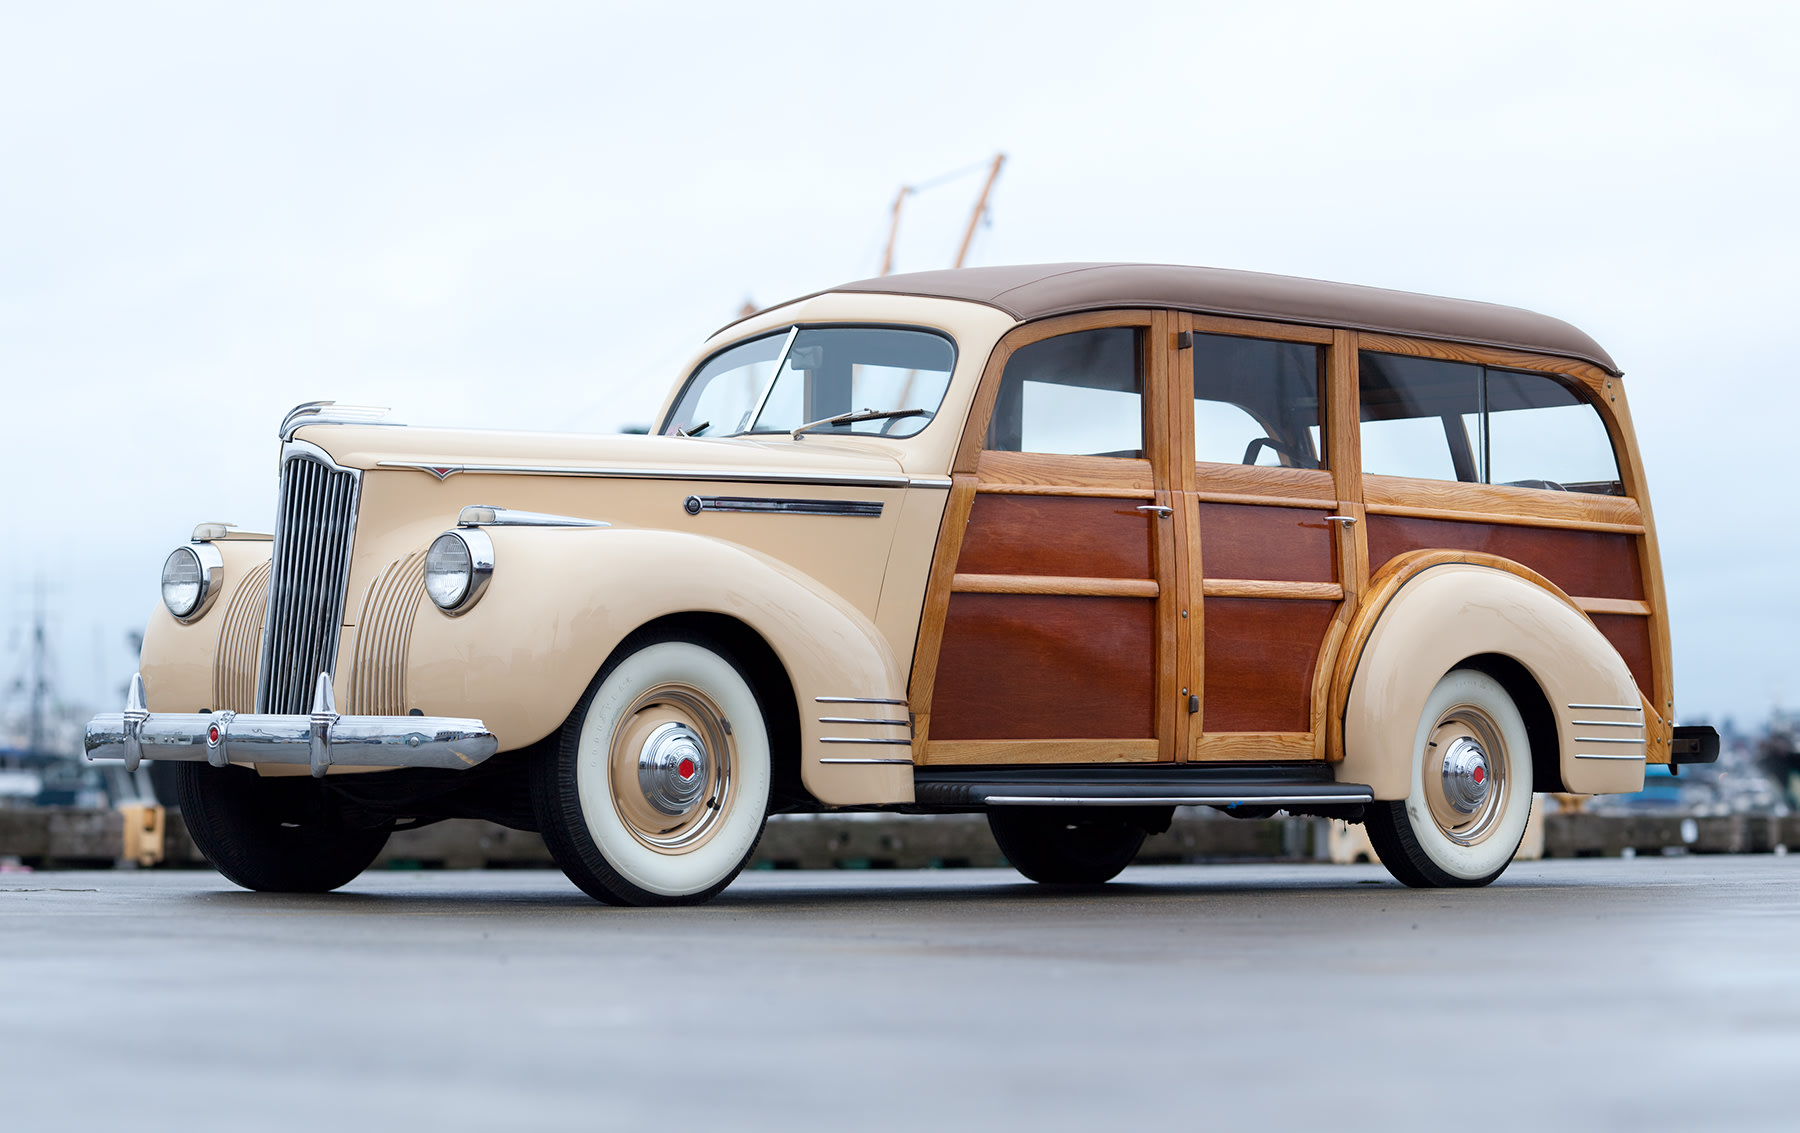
(1627, 994)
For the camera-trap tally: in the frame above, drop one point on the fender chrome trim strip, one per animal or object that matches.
(1632, 758)
(860, 740)
(864, 759)
(858, 700)
(1174, 800)
(865, 509)
(1638, 708)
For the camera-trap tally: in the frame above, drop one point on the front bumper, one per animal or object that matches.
(317, 740)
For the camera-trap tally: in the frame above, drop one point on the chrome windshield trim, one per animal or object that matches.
(724, 476)
(749, 422)
(486, 515)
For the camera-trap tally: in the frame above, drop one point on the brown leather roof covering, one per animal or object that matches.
(1034, 291)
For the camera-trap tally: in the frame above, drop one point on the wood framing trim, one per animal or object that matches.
(937, 605)
(1034, 473)
(1055, 584)
(993, 489)
(1040, 751)
(1613, 606)
(1262, 501)
(1251, 328)
(1256, 588)
(1400, 511)
(1235, 746)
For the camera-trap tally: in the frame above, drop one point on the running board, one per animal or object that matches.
(1270, 785)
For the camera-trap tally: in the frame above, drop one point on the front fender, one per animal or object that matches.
(1438, 611)
(562, 599)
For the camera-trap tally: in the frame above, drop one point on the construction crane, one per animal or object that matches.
(981, 204)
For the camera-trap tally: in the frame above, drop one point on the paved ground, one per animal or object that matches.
(1597, 994)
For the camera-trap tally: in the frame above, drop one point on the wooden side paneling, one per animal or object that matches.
(1057, 535)
(1275, 544)
(1592, 564)
(1631, 637)
(1045, 667)
(1260, 655)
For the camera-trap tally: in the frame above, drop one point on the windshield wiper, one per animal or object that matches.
(695, 431)
(860, 415)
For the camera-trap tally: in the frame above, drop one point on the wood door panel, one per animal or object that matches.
(1017, 666)
(1272, 544)
(1057, 535)
(1587, 564)
(1631, 637)
(1260, 655)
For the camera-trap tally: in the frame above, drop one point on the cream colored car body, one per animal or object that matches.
(838, 599)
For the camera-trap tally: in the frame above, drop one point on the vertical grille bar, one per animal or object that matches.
(315, 527)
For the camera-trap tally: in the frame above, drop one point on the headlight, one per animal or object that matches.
(457, 569)
(190, 580)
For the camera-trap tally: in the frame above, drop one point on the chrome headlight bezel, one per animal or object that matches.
(476, 552)
(210, 566)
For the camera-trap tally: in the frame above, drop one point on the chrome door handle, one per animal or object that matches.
(1346, 520)
(1161, 511)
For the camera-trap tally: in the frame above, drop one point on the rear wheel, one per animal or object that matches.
(657, 792)
(1066, 845)
(1470, 793)
(274, 835)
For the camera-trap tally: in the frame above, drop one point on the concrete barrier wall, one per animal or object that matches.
(77, 838)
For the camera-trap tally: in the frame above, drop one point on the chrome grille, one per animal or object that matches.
(315, 523)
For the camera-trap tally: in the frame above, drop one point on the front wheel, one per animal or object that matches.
(274, 835)
(1470, 795)
(657, 791)
(1067, 845)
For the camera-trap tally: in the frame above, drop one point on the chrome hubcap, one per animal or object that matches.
(1467, 780)
(671, 768)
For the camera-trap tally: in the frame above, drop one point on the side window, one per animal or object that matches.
(1542, 434)
(1076, 394)
(1421, 418)
(1437, 420)
(1257, 402)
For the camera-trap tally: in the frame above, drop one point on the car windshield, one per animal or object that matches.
(892, 378)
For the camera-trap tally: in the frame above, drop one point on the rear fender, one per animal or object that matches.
(1438, 610)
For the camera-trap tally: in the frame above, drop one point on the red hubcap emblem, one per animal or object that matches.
(686, 769)
(1480, 775)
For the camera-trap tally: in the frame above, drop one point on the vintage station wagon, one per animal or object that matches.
(1069, 545)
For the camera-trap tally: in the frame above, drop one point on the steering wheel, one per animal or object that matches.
(1256, 446)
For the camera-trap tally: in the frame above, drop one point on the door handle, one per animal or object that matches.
(1161, 511)
(1346, 520)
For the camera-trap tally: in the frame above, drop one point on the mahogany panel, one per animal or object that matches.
(1260, 654)
(1587, 564)
(1274, 544)
(1029, 666)
(1631, 637)
(1057, 535)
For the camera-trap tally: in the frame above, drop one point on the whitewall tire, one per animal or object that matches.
(657, 791)
(1469, 794)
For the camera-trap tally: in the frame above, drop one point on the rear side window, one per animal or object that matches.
(1437, 420)
(1256, 401)
(1075, 394)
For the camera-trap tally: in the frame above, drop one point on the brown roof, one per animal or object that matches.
(1036, 290)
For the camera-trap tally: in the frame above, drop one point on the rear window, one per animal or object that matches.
(1437, 420)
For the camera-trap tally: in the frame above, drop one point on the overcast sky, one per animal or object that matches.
(528, 215)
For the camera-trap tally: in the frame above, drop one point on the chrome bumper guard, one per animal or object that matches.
(317, 740)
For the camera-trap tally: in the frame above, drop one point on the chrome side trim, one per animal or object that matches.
(1606, 723)
(866, 509)
(857, 700)
(723, 476)
(929, 482)
(1608, 740)
(330, 413)
(1174, 800)
(861, 759)
(1633, 758)
(860, 740)
(485, 515)
(864, 720)
(1638, 708)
